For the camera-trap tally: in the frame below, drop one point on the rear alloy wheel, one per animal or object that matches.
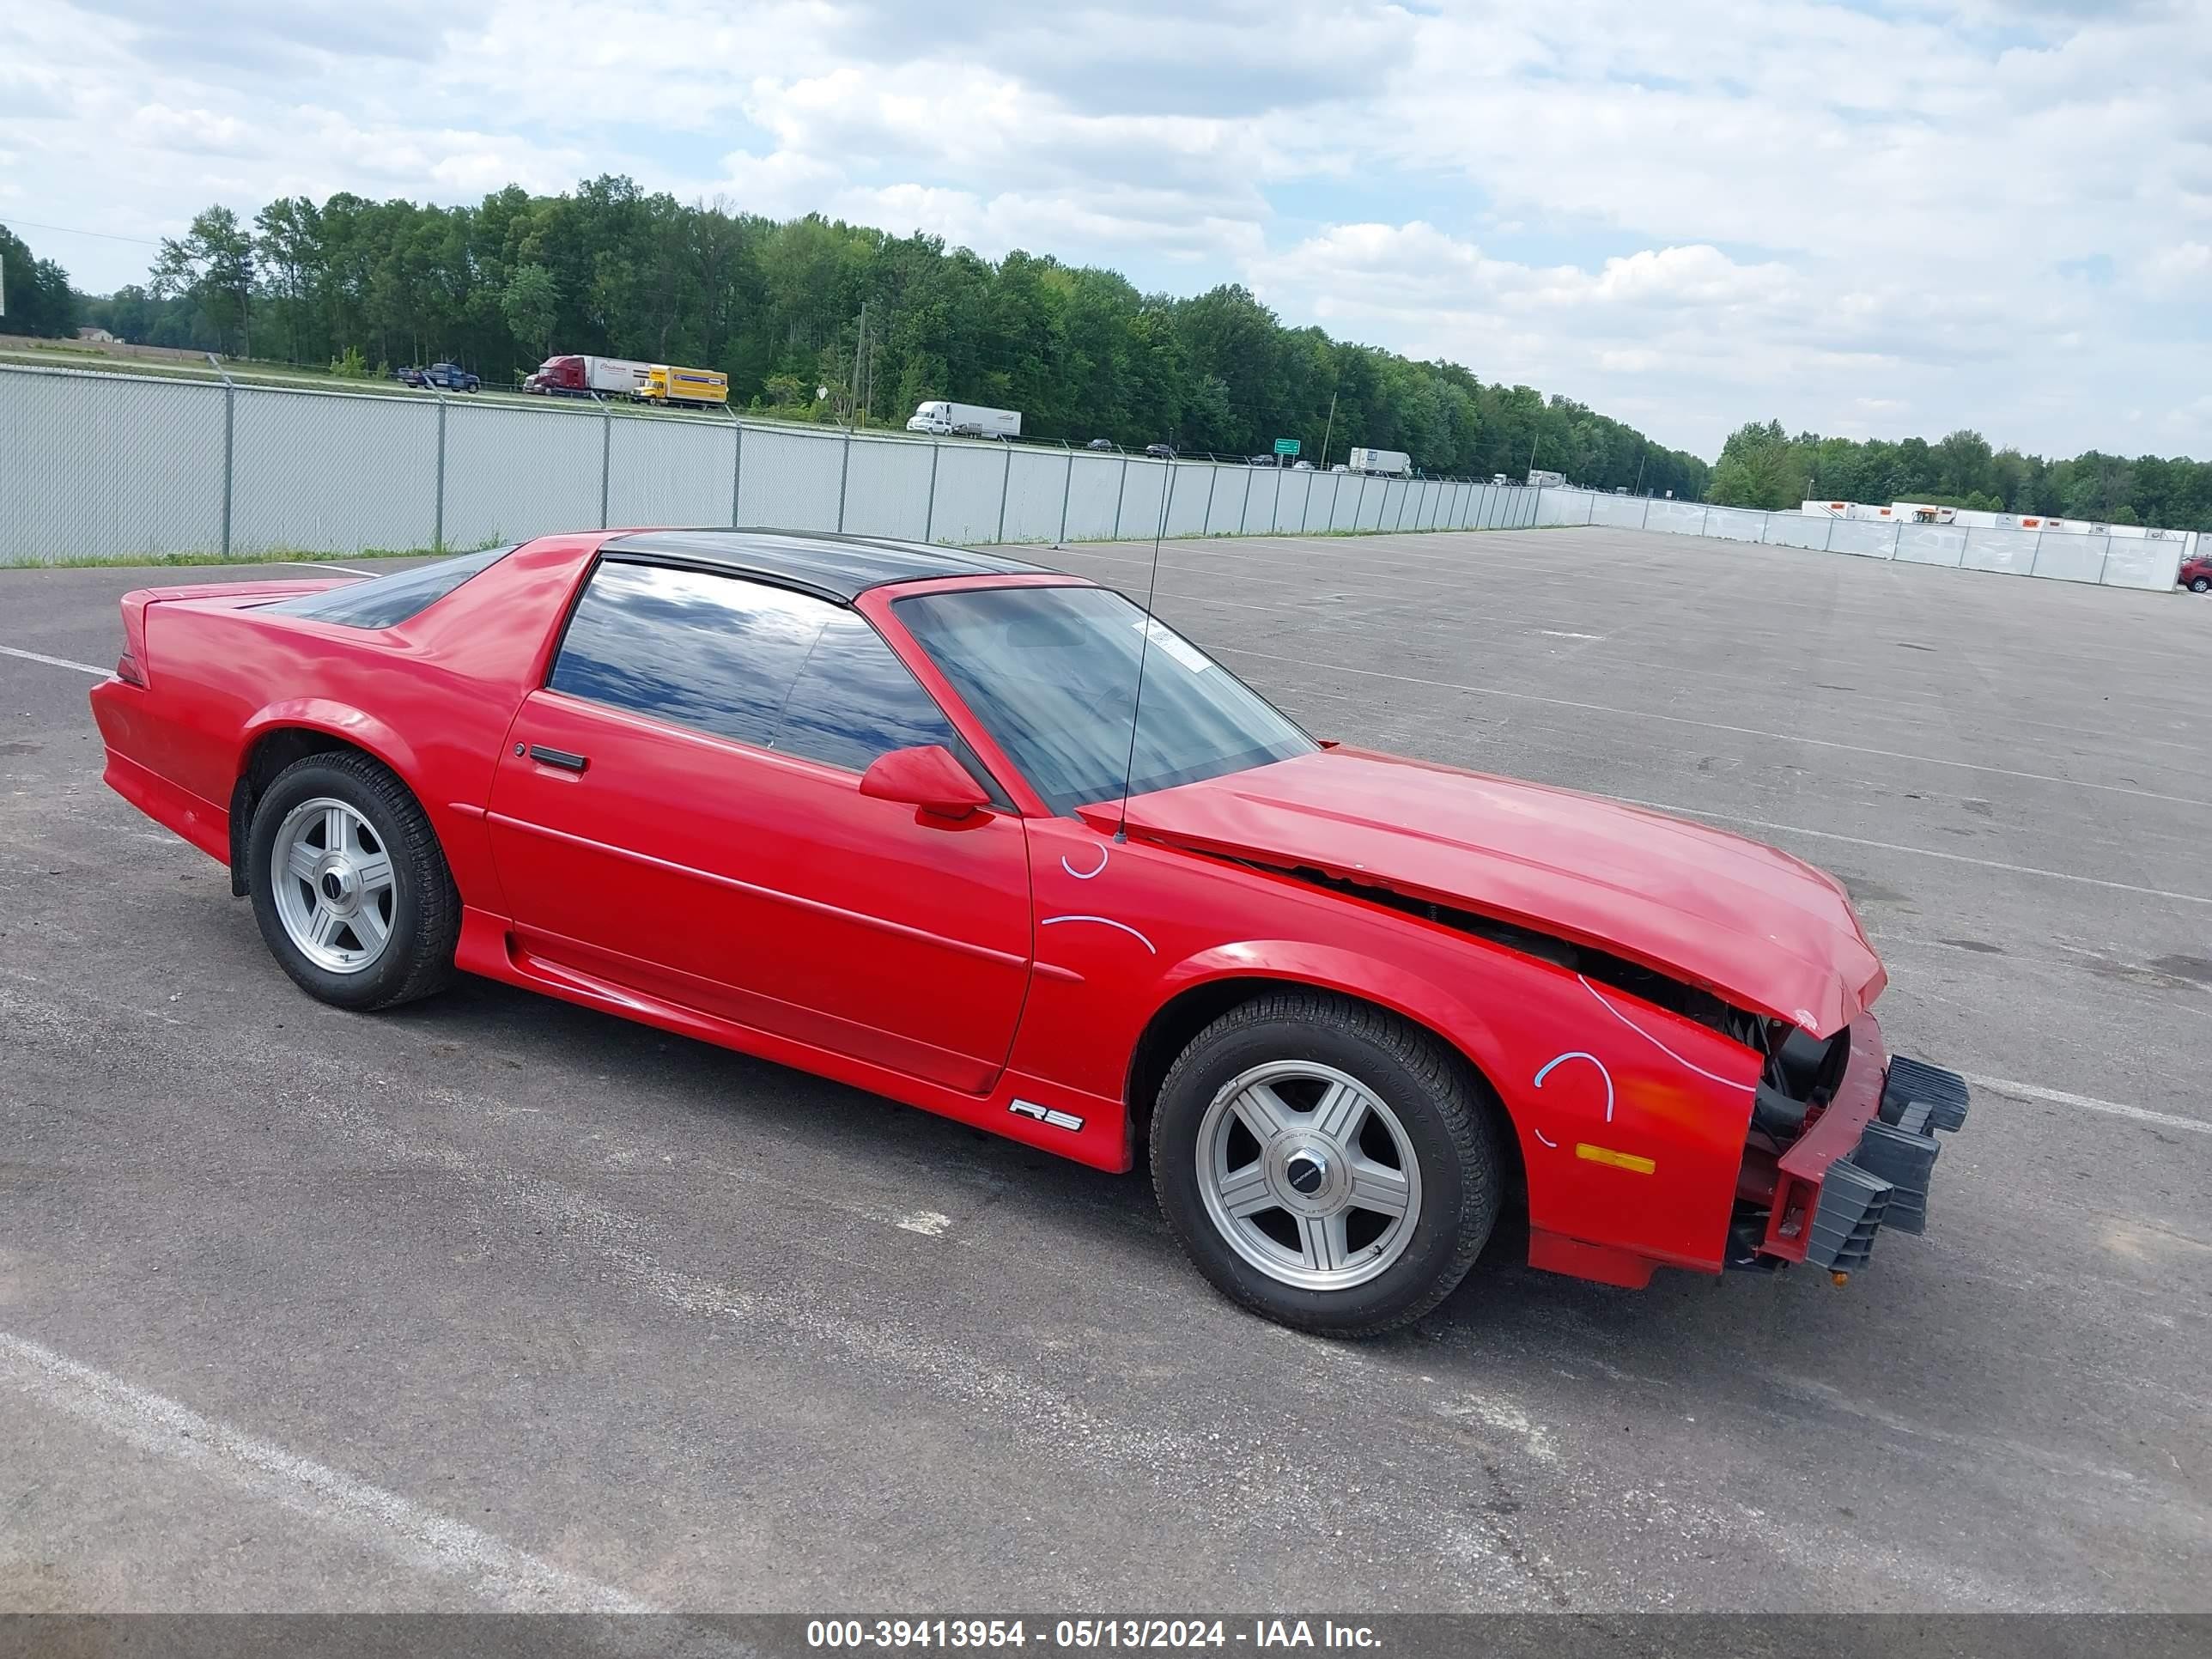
(1327, 1163)
(2201, 585)
(350, 886)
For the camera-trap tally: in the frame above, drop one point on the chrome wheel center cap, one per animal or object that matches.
(1307, 1172)
(339, 886)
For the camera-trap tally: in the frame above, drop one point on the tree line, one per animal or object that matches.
(1761, 465)
(38, 298)
(608, 267)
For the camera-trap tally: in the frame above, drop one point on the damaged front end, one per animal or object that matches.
(1842, 1143)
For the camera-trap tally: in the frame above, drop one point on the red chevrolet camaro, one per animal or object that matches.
(876, 810)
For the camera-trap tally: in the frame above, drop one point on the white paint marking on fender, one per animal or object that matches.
(54, 662)
(1726, 1082)
(512, 1579)
(1104, 921)
(928, 1223)
(1087, 875)
(1558, 1060)
(2088, 1103)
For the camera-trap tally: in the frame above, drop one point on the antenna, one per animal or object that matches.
(1144, 649)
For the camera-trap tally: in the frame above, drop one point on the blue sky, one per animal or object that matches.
(1874, 219)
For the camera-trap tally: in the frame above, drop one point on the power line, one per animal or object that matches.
(104, 235)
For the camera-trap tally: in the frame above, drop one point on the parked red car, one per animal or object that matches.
(2195, 575)
(872, 809)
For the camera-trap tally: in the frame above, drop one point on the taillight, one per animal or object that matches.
(126, 669)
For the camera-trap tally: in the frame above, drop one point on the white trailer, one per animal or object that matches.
(946, 419)
(1381, 462)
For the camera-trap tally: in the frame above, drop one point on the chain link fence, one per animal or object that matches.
(2149, 560)
(101, 466)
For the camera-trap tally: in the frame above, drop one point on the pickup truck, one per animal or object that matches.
(452, 376)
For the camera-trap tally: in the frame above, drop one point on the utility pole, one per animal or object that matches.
(1329, 430)
(1641, 456)
(859, 356)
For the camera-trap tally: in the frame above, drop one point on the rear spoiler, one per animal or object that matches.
(132, 666)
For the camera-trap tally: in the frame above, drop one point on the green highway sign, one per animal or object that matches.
(1286, 446)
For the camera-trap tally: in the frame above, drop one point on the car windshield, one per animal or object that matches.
(1052, 673)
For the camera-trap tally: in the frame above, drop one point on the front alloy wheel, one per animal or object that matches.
(1326, 1162)
(1309, 1176)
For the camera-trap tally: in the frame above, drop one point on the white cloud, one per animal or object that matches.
(2181, 271)
(1690, 214)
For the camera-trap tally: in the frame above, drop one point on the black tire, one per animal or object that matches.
(2201, 585)
(1446, 1111)
(426, 921)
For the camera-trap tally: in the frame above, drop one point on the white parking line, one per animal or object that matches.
(54, 662)
(1923, 852)
(511, 1578)
(2087, 1103)
(1709, 726)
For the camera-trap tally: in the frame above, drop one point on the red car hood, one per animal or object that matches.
(1757, 927)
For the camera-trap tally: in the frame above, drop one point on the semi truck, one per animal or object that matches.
(945, 419)
(588, 377)
(684, 388)
(1381, 462)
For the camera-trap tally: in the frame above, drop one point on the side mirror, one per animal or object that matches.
(927, 777)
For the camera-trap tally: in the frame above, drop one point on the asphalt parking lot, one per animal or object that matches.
(493, 1302)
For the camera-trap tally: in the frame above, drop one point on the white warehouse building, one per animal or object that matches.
(1976, 519)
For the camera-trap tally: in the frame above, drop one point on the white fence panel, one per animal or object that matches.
(1374, 502)
(1555, 506)
(1267, 495)
(887, 488)
(667, 469)
(1735, 524)
(1930, 543)
(1188, 483)
(514, 472)
(1232, 490)
(1341, 503)
(1795, 530)
(1676, 517)
(1143, 492)
(107, 467)
(1035, 489)
(2071, 558)
(971, 478)
(791, 478)
(1622, 512)
(2012, 551)
(2139, 562)
(1093, 495)
(1864, 537)
(301, 460)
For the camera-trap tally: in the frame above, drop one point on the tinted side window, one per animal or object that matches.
(387, 601)
(714, 652)
(855, 701)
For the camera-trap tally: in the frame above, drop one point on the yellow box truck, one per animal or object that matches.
(683, 388)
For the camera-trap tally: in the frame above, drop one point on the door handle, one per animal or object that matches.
(560, 757)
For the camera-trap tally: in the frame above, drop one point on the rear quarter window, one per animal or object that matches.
(387, 601)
